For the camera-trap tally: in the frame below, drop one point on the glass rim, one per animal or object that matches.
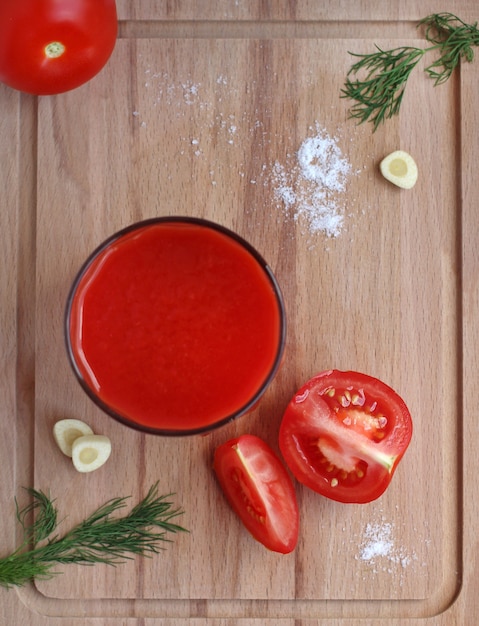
(171, 432)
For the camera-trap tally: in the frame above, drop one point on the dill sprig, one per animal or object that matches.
(380, 93)
(100, 538)
(379, 89)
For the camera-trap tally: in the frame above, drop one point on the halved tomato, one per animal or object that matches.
(259, 490)
(343, 435)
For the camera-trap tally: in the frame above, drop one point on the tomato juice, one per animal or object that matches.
(175, 326)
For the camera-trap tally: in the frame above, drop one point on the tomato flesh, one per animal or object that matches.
(343, 435)
(50, 46)
(259, 490)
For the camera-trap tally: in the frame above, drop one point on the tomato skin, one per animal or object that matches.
(259, 489)
(86, 28)
(343, 435)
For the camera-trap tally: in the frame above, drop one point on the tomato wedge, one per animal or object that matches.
(343, 435)
(260, 491)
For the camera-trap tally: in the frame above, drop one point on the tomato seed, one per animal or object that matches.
(259, 518)
(344, 401)
(358, 399)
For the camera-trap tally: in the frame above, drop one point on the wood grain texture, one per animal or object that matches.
(288, 10)
(194, 125)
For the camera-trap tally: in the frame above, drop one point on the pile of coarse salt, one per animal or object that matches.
(312, 185)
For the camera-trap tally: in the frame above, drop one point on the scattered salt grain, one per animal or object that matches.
(190, 92)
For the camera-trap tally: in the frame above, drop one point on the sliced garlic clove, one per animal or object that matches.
(400, 169)
(66, 431)
(90, 452)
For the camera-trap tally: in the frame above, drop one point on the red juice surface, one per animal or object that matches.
(175, 326)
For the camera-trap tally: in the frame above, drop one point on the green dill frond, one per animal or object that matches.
(100, 538)
(455, 40)
(379, 89)
(45, 516)
(380, 78)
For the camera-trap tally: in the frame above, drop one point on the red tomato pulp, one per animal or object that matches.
(260, 491)
(175, 326)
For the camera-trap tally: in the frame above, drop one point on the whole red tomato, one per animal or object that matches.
(52, 46)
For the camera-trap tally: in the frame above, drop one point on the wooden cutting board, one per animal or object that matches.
(203, 114)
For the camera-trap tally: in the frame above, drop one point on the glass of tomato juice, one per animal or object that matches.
(175, 326)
